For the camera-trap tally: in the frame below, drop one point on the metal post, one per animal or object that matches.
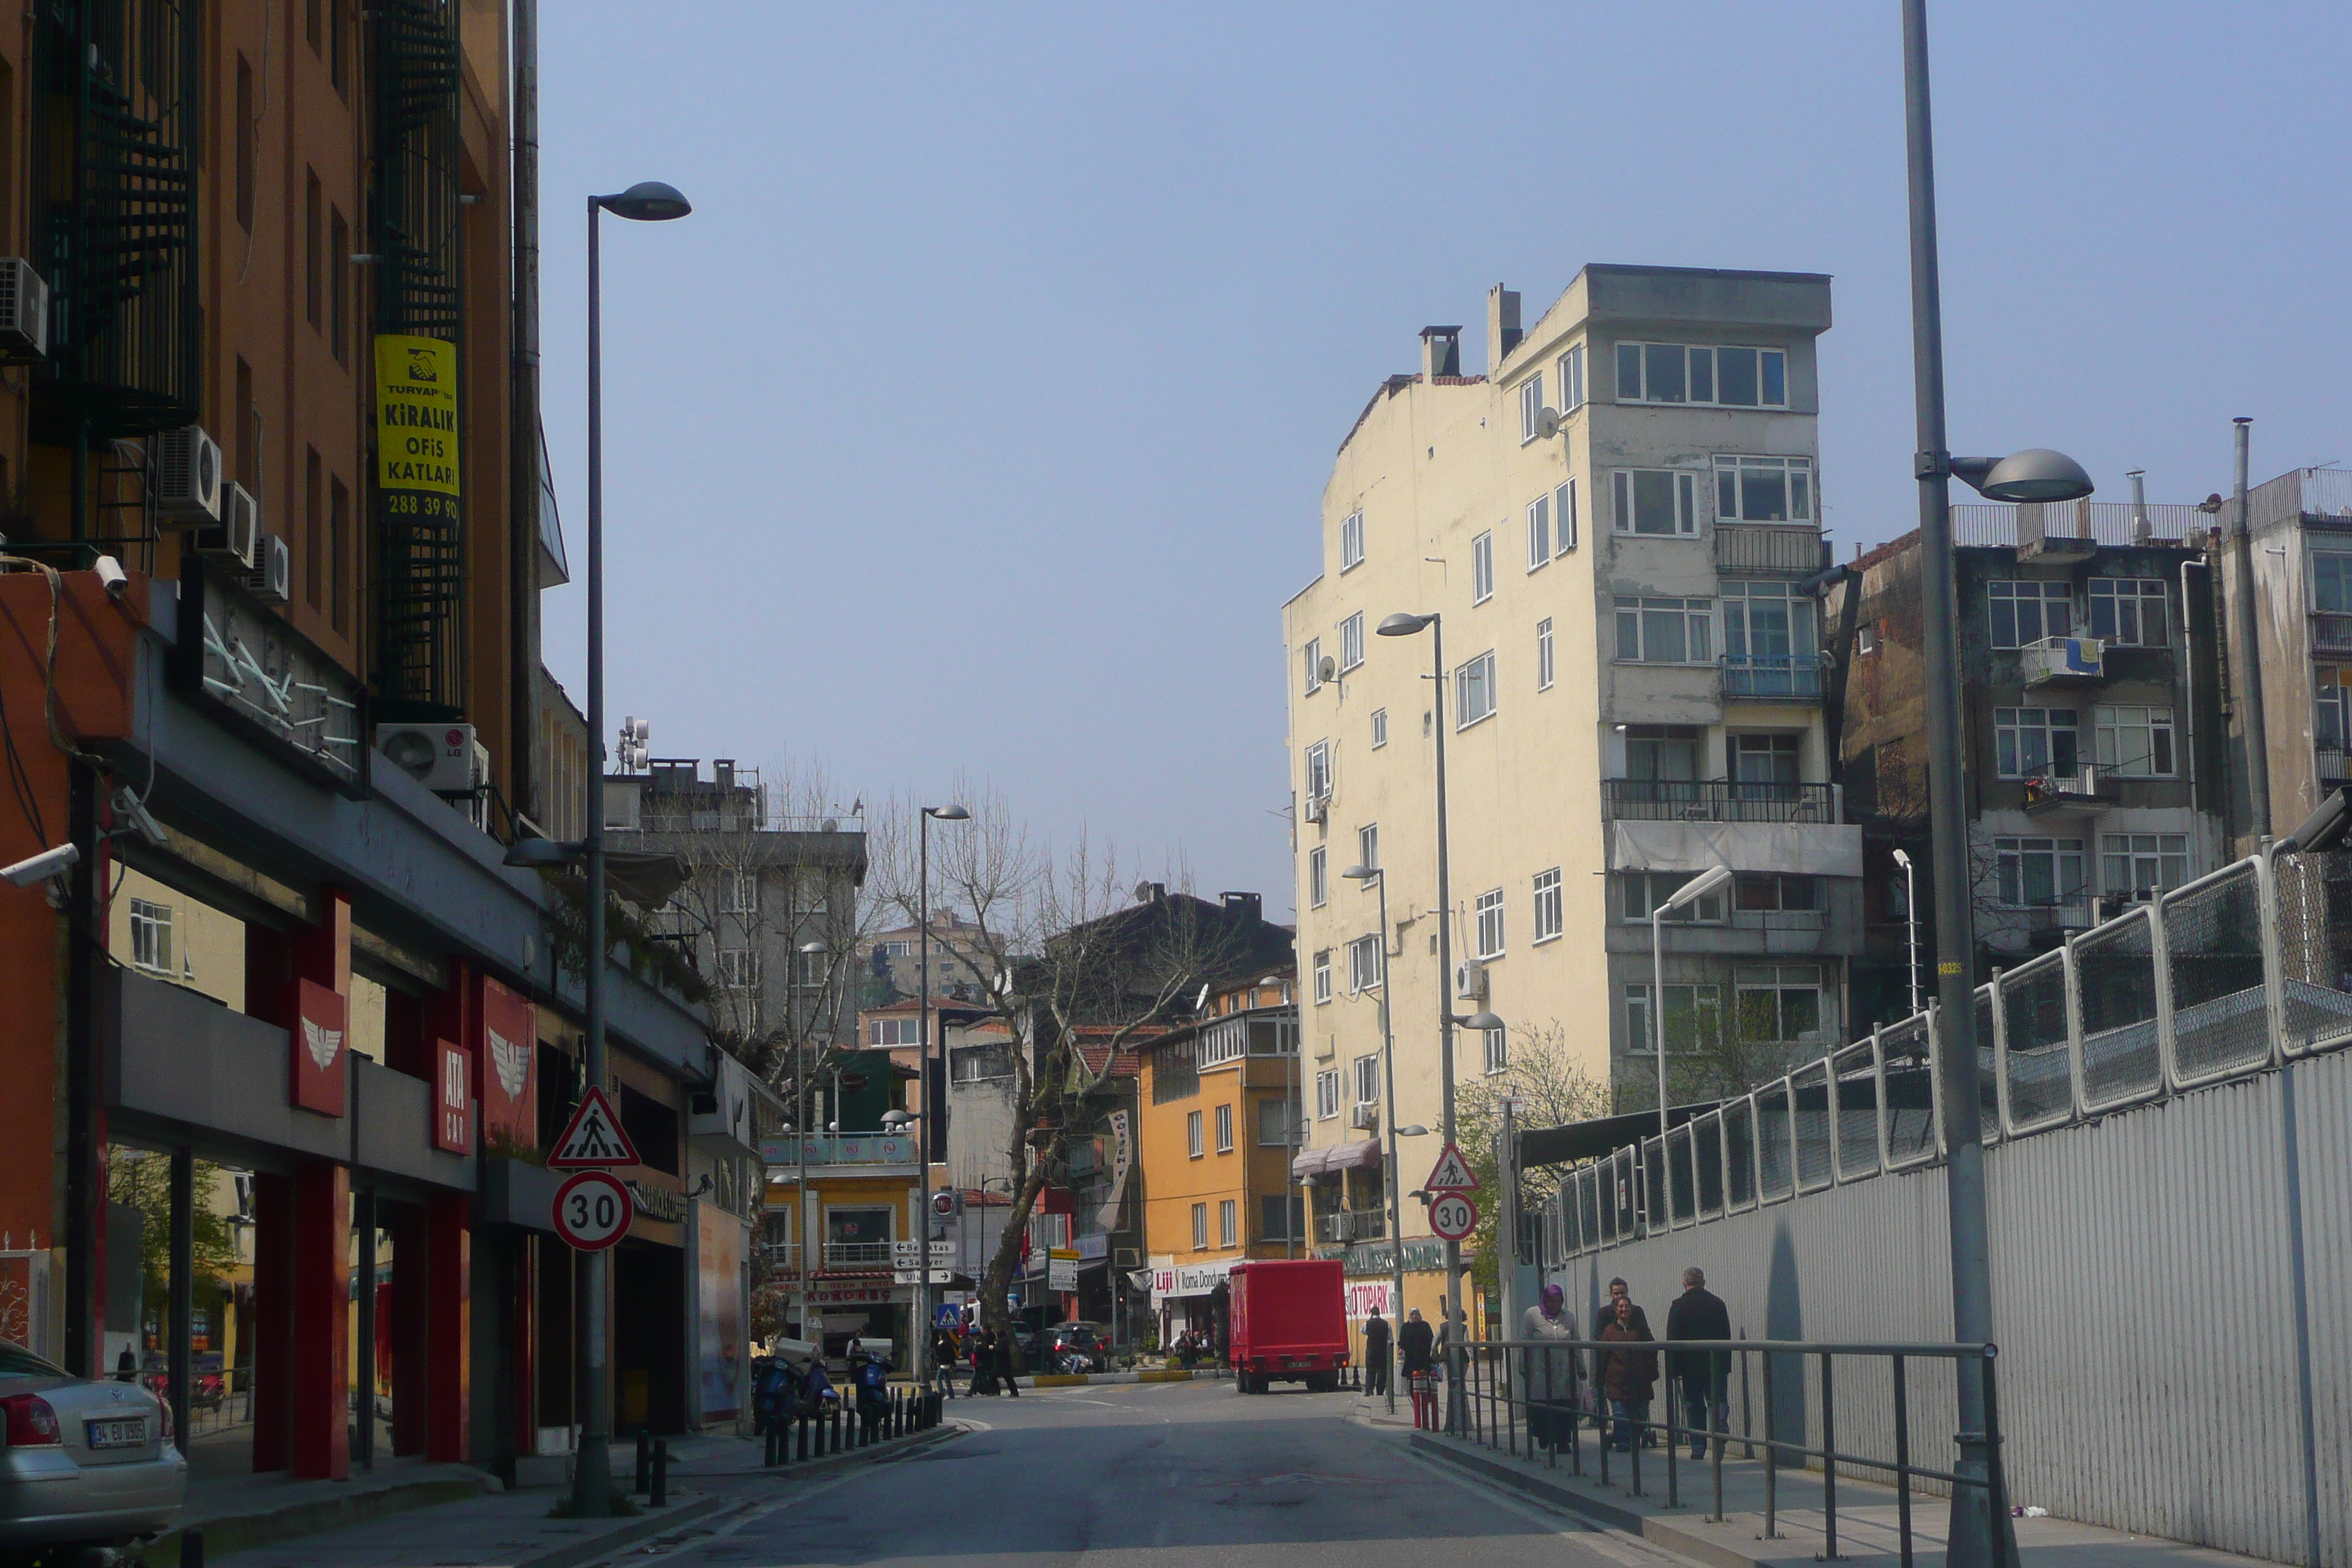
(1903, 1462)
(1911, 919)
(920, 1331)
(1396, 1170)
(364, 1224)
(182, 1287)
(1746, 1413)
(1829, 1462)
(1771, 1459)
(591, 1466)
(1674, 1437)
(1717, 1446)
(644, 1478)
(1456, 1325)
(1996, 1473)
(659, 1496)
(1969, 1536)
(2245, 655)
(1658, 1015)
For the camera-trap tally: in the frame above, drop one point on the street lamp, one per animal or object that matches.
(1374, 875)
(649, 201)
(1690, 892)
(800, 1138)
(919, 1362)
(1911, 918)
(2034, 475)
(1404, 625)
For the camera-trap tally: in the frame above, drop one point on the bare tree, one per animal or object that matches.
(1547, 1074)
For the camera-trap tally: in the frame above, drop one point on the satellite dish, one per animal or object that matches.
(829, 825)
(1327, 669)
(1547, 423)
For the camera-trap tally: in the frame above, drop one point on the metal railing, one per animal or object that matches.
(1363, 1225)
(2331, 763)
(858, 1255)
(1746, 547)
(1534, 1397)
(2236, 973)
(2331, 632)
(1982, 524)
(841, 1149)
(1717, 800)
(1785, 677)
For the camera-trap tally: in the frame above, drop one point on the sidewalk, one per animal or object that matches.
(1867, 1519)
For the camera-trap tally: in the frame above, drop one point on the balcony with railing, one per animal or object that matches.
(1986, 524)
(2331, 634)
(858, 1255)
(1773, 677)
(1716, 800)
(840, 1148)
(1748, 548)
(2334, 765)
(1362, 1224)
(2086, 789)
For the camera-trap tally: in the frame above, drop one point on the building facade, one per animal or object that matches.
(2302, 529)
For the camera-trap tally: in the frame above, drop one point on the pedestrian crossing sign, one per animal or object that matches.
(1453, 1173)
(592, 1138)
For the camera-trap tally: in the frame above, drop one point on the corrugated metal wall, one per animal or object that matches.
(2143, 1301)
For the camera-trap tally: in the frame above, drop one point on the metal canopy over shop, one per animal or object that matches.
(1364, 1154)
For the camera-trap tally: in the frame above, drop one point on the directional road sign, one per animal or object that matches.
(1454, 1216)
(914, 1276)
(592, 1210)
(592, 1138)
(1452, 1173)
(908, 1253)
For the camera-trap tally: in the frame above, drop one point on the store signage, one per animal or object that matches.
(659, 1202)
(851, 1295)
(1097, 1244)
(509, 1086)
(1062, 1269)
(315, 1048)
(1365, 1296)
(240, 661)
(453, 1118)
(1122, 1160)
(416, 426)
(1188, 1280)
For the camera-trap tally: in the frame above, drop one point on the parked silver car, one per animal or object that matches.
(82, 1463)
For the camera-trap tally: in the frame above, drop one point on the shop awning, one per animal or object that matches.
(1364, 1154)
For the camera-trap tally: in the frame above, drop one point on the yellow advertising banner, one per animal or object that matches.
(416, 422)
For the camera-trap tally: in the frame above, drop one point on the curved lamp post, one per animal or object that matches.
(919, 1331)
(1374, 875)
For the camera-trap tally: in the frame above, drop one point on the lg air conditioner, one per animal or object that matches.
(1470, 980)
(1365, 1118)
(24, 311)
(233, 537)
(441, 757)
(188, 477)
(273, 570)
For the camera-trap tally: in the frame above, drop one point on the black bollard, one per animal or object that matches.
(645, 1462)
(192, 1548)
(898, 1414)
(804, 1425)
(659, 1498)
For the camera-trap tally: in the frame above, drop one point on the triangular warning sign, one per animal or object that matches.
(1452, 1175)
(592, 1138)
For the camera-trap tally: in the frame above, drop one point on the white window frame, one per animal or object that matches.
(1693, 356)
(1704, 1001)
(1570, 367)
(150, 936)
(2112, 724)
(739, 892)
(1530, 406)
(2011, 725)
(2038, 593)
(1564, 518)
(1367, 845)
(1194, 1148)
(1351, 642)
(1318, 769)
(1380, 728)
(1327, 1094)
(1540, 532)
(1543, 655)
(2170, 851)
(2136, 599)
(1323, 976)
(1488, 912)
(1548, 915)
(1787, 978)
(2008, 870)
(1363, 965)
(1698, 633)
(1318, 879)
(1473, 676)
(1683, 483)
(1797, 487)
(1351, 539)
(1496, 1045)
(1482, 568)
(1367, 1069)
(1200, 1228)
(1228, 1232)
(1313, 654)
(1225, 1129)
(1653, 889)
(738, 968)
(2331, 582)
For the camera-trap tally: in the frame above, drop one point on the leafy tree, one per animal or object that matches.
(144, 1181)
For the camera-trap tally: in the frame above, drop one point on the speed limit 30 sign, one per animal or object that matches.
(1452, 1216)
(592, 1210)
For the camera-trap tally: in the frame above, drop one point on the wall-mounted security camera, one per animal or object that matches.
(110, 575)
(133, 811)
(40, 867)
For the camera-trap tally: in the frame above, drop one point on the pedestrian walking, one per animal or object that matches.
(1416, 1345)
(1705, 1375)
(1376, 1353)
(1628, 1376)
(1008, 1351)
(1550, 1376)
(944, 1356)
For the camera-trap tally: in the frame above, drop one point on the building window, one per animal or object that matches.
(2332, 687)
(1764, 763)
(1693, 1018)
(2331, 584)
(2137, 743)
(1498, 1049)
(2128, 611)
(1764, 622)
(2034, 873)
(1380, 728)
(739, 967)
(1656, 500)
(1570, 367)
(1532, 405)
(1482, 568)
(1725, 377)
(2030, 742)
(1273, 1123)
(1351, 539)
(314, 529)
(1564, 511)
(1318, 769)
(1318, 882)
(1778, 1004)
(1192, 1133)
(339, 270)
(1281, 1217)
(1327, 1094)
(2141, 865)
(1368, 845)
(249, 146)
(1311, 658)
(1364, 963)
(1474, 690)
(1199, 1227)
(1490, 923)
(1547, 921)
(1664, 631)
(1543, 654)
(1368, 1078)
(2026, 613)
(1764, 490)
(739, 892)
(1664, 754)
(1776, 894)
(1351, 642)
(1540, 531)
(1644, 892)
(314, 274)
(1224, 1129)
(1865, 642)
(150, 936)
(1323, 975)
(978, 1064)
(1225, 1236)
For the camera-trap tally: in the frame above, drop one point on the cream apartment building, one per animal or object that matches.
(1634, 694)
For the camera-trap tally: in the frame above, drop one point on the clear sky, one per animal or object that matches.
(980, 415)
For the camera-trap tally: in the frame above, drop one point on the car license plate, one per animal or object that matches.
(124, 1434)
(1298, 1361)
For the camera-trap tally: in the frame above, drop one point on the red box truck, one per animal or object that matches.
(1289, 1323)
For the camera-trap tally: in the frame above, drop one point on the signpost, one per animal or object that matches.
(592, 1210)
(1062, 1269)
(1452, 1173)
(1454, 1215)
(594, 1138)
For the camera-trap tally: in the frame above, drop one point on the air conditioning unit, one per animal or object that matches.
(232, 540)
(188, 477)
(1470, 980)
(273, 570)
(444, 758)
(1319, 807)
(1365, 1118)
(24, 311)
(1128, 1257)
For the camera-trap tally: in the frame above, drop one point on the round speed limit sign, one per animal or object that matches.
(1454, 1216)
(592, 1210)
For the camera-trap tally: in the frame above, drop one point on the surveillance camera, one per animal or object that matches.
(42, 867)
(133, 810)
(112, 576)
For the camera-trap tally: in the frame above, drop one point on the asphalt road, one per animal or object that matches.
(1158, 1476)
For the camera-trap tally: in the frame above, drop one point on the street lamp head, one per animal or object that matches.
(813, 947)
(948, 812)
(1487, 1022)
(1902, 859)
(1361, 873)
(1414, 1131)
(543, 854)
(1401, 625)
(900, 1118)
(2036, 473)
(647, 201)
(1698, 887)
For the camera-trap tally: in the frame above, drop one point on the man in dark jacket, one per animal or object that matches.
(1699, 1314)
(1376, 1353)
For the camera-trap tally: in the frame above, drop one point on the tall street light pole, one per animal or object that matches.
(933, 1124)
(649, 201)
(1690, 892)
(1911, 919)
(1374, 875)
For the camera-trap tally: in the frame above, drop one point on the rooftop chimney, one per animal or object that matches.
(2142, 531)
(1440, 351)
(1503, 332)
(1250, 906)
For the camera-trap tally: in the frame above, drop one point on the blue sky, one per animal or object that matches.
(979, 417)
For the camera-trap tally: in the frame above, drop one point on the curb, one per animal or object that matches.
(239, 1533)
(572, 1552)
(1154, 1374)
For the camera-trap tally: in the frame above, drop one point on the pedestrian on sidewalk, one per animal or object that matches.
(1376, 1353)
(1416, 1344)
(1628, 1376)
(1705, 1375)
(943, 1360)
(1550, 1377)
(1008, 1352)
